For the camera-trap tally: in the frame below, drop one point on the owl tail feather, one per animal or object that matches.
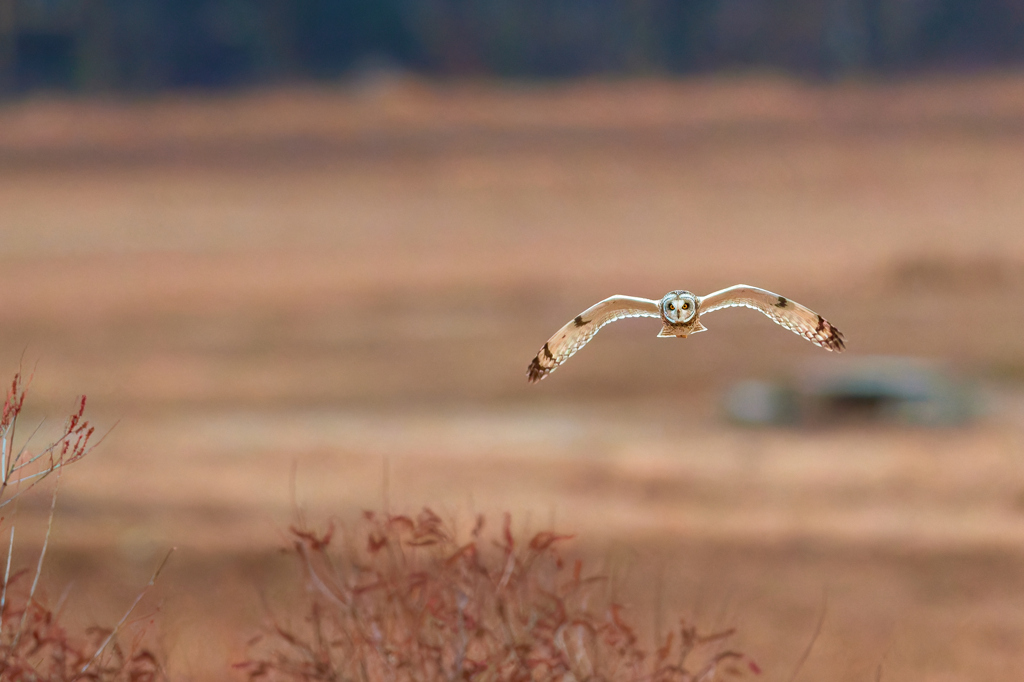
(682, 331)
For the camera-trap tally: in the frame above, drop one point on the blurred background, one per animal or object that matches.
(301, 254)
(148, 45)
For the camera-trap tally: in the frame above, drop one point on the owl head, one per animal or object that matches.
(679, 313)
(678, 307)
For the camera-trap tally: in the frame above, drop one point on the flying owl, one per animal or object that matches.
(680, 313)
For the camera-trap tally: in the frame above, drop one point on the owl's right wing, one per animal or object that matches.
(582, 328)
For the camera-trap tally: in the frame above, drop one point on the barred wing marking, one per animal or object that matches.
(582, 328)
(781, 310)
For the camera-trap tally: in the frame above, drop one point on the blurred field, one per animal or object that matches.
(351, 282)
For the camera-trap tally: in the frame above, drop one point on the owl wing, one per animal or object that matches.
(582, 328)
(781, 310)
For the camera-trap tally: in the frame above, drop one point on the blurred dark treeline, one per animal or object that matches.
(153, 44)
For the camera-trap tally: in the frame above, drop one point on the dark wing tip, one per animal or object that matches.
(542, 365)
(535, 372)
(830, 338)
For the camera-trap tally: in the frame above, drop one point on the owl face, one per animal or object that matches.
(678, 307)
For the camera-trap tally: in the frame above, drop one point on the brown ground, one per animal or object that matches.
(353, 282)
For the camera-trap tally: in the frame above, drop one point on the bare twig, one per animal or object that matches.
(124, 618)
(7, 577)
(814, 638)
(72, 445)
(39, 565)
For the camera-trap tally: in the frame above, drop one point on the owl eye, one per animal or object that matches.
(686, 306)
(671, 306)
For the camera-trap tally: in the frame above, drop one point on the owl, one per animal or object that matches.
(680, 313)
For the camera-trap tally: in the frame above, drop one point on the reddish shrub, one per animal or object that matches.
(403, 600)
(33, 644)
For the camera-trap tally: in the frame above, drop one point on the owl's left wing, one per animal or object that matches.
(789, 314)
(582, 328)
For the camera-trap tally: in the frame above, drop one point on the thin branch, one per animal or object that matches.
(39, 566)
(814, 638)
(17, 464)
(63, 597)
(13, 426)
(24, 447)
(96, 443)
(124, 618)
(7, 577)
(39, 475)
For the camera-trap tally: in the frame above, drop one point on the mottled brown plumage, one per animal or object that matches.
(680, 312)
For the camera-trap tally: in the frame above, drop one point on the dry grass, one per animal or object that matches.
(404, 600)
(41, 648)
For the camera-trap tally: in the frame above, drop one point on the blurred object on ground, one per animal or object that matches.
(879, 389)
